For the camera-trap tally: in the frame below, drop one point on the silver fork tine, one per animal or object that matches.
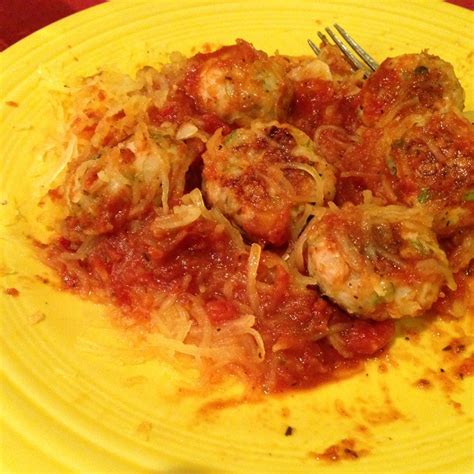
(367, 58)
(352, 59)
(316, 50)
(323, 38)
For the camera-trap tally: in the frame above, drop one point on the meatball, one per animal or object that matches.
(376, 262)
(123, 182)
(265, 178)
(411, 82)
(238, 84)
(431, 163)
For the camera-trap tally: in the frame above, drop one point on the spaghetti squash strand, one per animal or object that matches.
(252, 269)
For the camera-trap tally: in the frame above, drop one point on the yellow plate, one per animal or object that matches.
(75, 399)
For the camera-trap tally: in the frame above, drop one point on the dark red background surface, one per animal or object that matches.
(19, 18)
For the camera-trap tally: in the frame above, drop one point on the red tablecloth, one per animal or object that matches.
(19, 18)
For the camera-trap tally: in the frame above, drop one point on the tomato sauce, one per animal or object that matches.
(11, 292)
(131, 265)
(318, 102)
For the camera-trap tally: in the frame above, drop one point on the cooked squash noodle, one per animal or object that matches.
(335, 339)
(175, 330)
(296, 257)
(395, 111)
(351, 256)
(296, 260)
(301, 215)
(398, 262)
(76, 191)
(318, 180)
(429, 266)
(181, 216)
(122, 126)
(83, 251)
(231, 330)
(172, 319)
(323, 128)
(69, 154)
(277, 183)
(361, 174)
(195, 197)
(162, 342)
(252, 268)
(204, 327)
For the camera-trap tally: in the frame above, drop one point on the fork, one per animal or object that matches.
(370, 64)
